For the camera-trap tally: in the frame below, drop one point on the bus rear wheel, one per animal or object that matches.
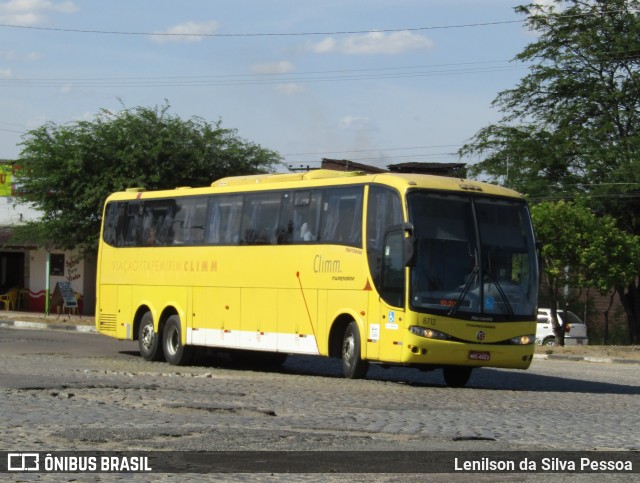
(174, 351)
(456, 376)
(353, 367)
(148, 339)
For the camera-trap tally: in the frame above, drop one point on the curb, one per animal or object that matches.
(17, 324)
(598, 360)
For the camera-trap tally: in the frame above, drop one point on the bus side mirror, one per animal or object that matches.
(410, 243)
(410, 251)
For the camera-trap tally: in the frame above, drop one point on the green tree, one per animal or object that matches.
(582, 250)
(572, 125)
(69, 170)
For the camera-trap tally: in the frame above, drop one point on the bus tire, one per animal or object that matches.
(353, 367)
(174, 351)
(148, 340)
(456, 376)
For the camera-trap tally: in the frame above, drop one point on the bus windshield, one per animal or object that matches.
(475, 256)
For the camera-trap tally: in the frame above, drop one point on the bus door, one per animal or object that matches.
(391, 312)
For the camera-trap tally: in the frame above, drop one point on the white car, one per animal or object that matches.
(575, 329)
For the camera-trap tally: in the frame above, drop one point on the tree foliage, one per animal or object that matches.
(582, 250)
(69, 170)
(571, 126)
(574, 120)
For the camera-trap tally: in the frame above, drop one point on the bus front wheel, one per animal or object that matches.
(148, 339)
(456, 376)
(353, 367)
(174, 351)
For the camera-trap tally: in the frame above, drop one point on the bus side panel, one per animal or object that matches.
(298, 328)
(108, 309)
(224, 310)
(124, 319)
(216, 317)
(259, 319)
(202, 321)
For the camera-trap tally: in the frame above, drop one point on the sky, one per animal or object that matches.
(374, 81)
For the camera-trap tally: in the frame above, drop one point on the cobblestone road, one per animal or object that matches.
(70, 391)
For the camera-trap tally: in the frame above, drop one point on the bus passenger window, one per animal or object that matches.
(157, 222)
(284, 233)
(190, 220)
(111, 216)
(128, 231)
(342, 216)
(223, 222)
(260, 219)
(306, 210)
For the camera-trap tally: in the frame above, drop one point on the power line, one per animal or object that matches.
(298, 34)
(259, 34)
(239, 79)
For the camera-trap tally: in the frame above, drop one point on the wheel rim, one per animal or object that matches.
(147, 337)
(173, 340)
(348, 349)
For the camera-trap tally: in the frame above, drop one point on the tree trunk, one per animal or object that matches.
(553, 298)
(605, 337)
(630, 299)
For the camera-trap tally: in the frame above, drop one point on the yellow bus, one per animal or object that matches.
(396, 269)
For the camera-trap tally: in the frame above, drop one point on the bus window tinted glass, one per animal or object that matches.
(128, 223)
(475, 255)
(284, 233)
(260, 219)
(384, 211)
(223, 223)
(341, 217)
(109, 234)
(158, 222)
(306, 215)
(190, 221)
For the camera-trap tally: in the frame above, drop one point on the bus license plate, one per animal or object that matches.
(479, 356)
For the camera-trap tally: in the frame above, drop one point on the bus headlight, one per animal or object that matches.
(428, 333)
(523, 340)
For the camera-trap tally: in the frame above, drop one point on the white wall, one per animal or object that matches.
(37, 275)
(12, 213)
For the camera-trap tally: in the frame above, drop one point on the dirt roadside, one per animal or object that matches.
(594, 351)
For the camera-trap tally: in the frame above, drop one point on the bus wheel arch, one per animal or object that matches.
(345, 342)
(137, 320)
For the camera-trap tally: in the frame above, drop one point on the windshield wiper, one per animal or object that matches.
(500, 291)
(465, 289)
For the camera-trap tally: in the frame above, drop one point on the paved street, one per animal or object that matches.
(72, 391)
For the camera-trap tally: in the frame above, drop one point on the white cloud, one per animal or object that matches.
(13, 55)
(282, 67)
(32, 12)
(6, 74)
(544, 3)
(374, 43)
(186, 32)
(291, 88)
(358, 123)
